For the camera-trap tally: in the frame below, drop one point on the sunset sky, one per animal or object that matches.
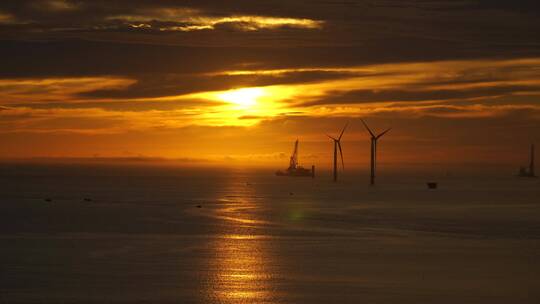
(238, 81)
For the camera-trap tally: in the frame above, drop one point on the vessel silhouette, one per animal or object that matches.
(294, 168)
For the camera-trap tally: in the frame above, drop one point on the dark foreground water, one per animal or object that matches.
(140, 237)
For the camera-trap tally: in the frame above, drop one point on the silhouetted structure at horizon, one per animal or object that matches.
(337, 143)
(295, 169)
(528, 172)
(373, 150)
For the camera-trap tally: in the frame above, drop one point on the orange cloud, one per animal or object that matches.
(30, 90)
(261, 120)
(189, 19)
(6, 18)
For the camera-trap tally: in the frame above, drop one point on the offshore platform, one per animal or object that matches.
(295, 169)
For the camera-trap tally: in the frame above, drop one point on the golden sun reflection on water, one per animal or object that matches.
(241, 261)
(241, 270)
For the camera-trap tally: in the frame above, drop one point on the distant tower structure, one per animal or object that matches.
(531, 165)
(528, 172)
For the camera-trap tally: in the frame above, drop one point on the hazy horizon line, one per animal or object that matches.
(233, 162)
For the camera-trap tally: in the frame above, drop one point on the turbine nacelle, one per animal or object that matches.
(373, 136)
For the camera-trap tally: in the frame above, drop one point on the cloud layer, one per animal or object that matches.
(112, 76)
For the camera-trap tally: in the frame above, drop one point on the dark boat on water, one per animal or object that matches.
(295, 169)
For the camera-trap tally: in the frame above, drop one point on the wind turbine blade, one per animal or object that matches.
(343, 130)
(380, 135)
(369, 130)
(331, 137)
(341, 153)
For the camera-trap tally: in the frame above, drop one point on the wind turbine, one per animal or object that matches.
(373, 150)
(337, 143)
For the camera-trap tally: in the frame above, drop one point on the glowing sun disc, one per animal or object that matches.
(245, 97)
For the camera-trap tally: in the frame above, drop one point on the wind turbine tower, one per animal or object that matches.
(373, 150)
(531, 165)
(337, 144)
(528, 172)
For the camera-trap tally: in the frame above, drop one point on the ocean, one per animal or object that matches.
(136, 233)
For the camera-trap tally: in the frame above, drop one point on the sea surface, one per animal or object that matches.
(98, 233)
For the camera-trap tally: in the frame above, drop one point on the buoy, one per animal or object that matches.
(432, 185)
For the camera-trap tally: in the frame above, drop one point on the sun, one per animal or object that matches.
(245, 98)
(246, 106)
